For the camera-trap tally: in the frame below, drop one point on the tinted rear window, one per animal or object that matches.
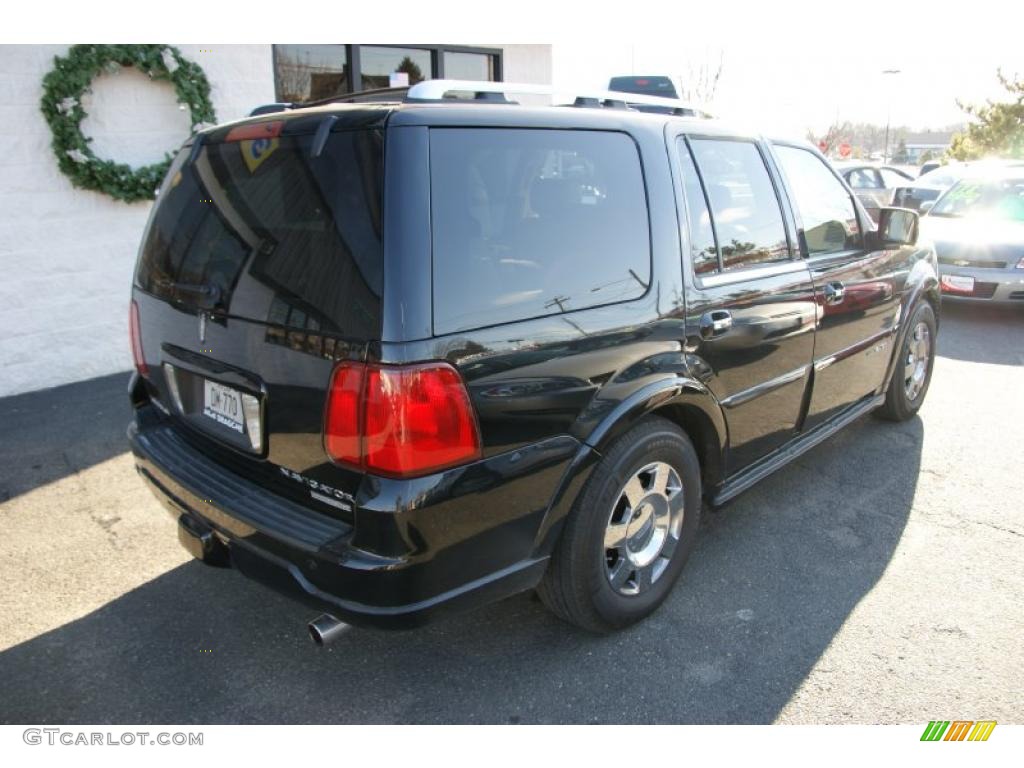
(261, 229)
(534, 222)
(647, 86)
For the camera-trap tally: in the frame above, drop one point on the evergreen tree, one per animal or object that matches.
(997, 129)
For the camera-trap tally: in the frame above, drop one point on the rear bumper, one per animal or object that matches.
(314, 558)
(992, 286)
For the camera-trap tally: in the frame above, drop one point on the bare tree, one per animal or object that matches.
(835, 134)
(700, 83)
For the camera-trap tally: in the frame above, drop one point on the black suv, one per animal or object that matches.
(395, 358)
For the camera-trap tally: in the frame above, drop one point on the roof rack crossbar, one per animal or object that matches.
(435, 90)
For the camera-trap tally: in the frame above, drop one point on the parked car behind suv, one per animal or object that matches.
(977, 228)
(398, 358)
(873, 184)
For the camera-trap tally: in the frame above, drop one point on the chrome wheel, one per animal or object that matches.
(643, 528)
(915, 368)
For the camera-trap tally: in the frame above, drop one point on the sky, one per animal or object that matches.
(788, 65)
(805, 76)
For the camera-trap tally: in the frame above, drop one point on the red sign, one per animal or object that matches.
(823, 146)
(844, 150)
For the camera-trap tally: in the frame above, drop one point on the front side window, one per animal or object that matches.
(528, 223)
(744, 206)
(826, 208)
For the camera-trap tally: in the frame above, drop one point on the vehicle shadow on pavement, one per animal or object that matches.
(771, 581)
(55, 432)
(981, 333)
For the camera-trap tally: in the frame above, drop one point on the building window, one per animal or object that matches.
(378, 63)
(311, 72)
(304, 73)
(468, 66)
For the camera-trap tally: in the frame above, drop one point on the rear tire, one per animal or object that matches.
(630, 531)
(913, 371)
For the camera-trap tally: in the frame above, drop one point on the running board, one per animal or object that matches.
(736, 485)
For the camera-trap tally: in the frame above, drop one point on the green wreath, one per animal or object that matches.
(69, 80)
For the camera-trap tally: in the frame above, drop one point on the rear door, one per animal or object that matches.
(856, 290)
(750, 308)
(260, 267)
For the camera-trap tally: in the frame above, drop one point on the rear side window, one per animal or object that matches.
(262, 229)
(747, 219)
(703, 250)
(529, 223)
(826, 209)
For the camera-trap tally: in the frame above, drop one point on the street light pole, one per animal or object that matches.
(888, 115)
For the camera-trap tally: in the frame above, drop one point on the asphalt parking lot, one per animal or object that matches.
(879, 579)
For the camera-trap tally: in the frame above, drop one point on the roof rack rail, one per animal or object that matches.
(372, 95)
(436, 90)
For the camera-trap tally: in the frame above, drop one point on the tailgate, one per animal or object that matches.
(261, 266)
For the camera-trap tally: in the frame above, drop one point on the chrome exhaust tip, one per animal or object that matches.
(325, 629)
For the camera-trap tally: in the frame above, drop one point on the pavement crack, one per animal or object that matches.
(997, 527)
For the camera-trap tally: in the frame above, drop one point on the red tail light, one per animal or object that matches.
(400, 421)
(136, 337)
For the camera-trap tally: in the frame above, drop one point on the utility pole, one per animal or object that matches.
(888, 114)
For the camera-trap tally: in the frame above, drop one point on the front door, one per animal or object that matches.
(750, 309)
(856, 290)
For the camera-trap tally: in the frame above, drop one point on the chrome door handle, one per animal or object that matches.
(715, 323)
(835, 292)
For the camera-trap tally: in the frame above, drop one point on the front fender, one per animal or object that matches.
(922, 285)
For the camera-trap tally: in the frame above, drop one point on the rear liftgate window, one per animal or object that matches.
(261, 229)
(528, 223)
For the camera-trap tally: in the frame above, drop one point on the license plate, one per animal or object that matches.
(223, 405)
(958, 283)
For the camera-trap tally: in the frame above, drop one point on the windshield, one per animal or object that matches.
(1001, 199)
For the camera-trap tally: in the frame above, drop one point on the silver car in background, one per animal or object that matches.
(977, 227)
(873, 184)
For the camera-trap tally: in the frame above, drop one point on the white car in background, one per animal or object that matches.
(873, 184)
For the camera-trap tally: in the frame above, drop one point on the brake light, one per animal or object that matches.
(254, 131)
(400, 421)
(136, 338)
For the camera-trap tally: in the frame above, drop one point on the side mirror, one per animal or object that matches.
(926, 206)
(897, 227)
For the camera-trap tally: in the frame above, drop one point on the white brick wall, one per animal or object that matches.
(526, 63)
(66, 255)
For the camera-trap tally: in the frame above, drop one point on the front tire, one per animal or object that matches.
(630, 531)
(913, 372)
